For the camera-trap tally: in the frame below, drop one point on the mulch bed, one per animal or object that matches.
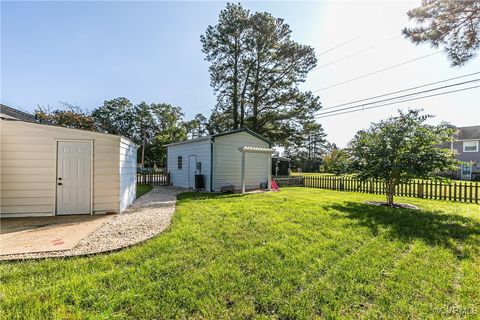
(395, 205)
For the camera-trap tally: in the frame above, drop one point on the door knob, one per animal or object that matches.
(59, 183)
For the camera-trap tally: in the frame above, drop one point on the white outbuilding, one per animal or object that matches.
(239, 158)
(50, 170)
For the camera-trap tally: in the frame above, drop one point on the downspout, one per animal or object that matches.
(211, 164)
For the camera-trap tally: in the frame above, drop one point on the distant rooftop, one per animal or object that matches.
(468, 133)
(11, 113)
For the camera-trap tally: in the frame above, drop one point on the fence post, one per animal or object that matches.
(476, 192)
(420, 189)
(471, 192)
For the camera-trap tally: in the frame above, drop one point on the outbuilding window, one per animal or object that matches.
(470, 146)
(179, 162)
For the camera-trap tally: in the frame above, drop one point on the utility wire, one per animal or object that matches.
(400, 97)
(338, 46)
(399, 91)
(378, 71)
(390, 103)
(357, 52)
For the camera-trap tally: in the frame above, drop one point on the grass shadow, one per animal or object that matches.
(189, 195)
(434, 228)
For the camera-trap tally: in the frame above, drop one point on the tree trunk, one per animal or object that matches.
(256, 96)
(390, 192)
(235, 87)
(143, 152)
(242, 100)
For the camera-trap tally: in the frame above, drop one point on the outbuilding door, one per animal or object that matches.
(74, 169)
(192, 170)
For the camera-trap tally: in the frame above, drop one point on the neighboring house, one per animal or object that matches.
(7, 112)
(50, 170)
(467, 149)
(239, 158)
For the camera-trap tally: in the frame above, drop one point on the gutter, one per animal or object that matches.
(212, 141)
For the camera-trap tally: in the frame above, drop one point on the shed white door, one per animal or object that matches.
(73, 177)
(192, 169)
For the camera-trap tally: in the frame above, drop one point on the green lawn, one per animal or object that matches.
(142, 189)
(296, 254)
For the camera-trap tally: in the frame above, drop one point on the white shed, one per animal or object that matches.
(218, 158)
(49, 170)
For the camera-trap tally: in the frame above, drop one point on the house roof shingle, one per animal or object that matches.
(468, 133)
(11, 113)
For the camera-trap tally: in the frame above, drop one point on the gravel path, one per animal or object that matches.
(144, 218)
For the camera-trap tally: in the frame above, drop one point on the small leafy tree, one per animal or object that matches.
(337, 161)
(69, 116)
(401, 148)
(452, 23)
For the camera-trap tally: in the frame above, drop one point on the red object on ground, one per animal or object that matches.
(274, 186)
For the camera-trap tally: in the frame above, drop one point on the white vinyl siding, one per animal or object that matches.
(128, 169)
(28, 168)
(227, 161)
(201, 149)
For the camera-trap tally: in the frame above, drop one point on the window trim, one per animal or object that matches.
(476, 145)
(179, 162)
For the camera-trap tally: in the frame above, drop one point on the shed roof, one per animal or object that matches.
(213, 136)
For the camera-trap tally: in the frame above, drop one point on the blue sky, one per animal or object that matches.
(86, 52)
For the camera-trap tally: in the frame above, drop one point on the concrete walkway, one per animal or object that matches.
(30, 238)
(31, 235)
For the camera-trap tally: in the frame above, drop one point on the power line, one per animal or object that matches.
(357, 52)
(338, 46)
(400, 97)
(399, 91)
(390, 103)
(378, 71)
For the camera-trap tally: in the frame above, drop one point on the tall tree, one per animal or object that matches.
(224, 46)
(401, 148)
(171, 129)
(145, 128)
(197, 127)
(116, 116)
(255, 71)
(306, 147)
(454, 24)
